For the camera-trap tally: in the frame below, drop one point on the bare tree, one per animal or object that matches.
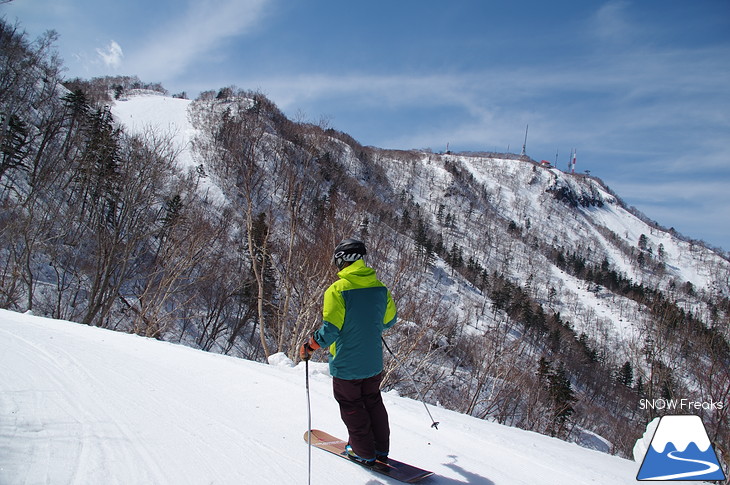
(233, 143)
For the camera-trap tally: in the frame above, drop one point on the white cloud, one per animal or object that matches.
(111, 55)
(196, 33)
(610, 23)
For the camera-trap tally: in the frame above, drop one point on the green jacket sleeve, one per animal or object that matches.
(333, 316)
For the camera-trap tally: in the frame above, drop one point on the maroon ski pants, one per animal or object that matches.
(364, 414)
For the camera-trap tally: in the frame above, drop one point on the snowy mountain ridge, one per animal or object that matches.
(145, 110)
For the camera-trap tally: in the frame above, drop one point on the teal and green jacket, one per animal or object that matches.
(357, 308)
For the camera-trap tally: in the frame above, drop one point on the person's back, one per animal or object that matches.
(356, 310)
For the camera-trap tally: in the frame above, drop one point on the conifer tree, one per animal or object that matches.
(561, 393)
(626, 374)
(14, 143)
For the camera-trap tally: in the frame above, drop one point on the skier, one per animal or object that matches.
(357, 308)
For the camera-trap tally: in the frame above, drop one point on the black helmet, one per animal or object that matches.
(348, 251)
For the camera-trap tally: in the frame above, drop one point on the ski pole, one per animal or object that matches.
(309, 425)
(434, 424)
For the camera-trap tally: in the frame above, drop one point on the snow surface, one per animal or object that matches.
(165, 115)
(84, 405)
(642, 444)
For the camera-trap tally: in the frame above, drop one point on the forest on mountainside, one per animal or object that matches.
(103, 227)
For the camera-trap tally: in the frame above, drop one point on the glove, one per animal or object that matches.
(308, 348)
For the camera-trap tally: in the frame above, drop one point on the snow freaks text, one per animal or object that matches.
(680, 404)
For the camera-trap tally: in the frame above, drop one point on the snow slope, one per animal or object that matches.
(82, 405)
(146, 113)
(152, 111)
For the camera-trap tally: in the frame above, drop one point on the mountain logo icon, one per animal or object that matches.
(680, 450)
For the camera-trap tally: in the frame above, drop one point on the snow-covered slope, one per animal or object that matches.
(84, 405)
(164, 114)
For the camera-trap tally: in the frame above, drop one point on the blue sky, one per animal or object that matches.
(640, 88)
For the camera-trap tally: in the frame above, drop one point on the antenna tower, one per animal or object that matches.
(524, 145)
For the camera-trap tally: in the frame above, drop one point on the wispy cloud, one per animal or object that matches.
(376, 89)
(610, 23)
(111, 55)
(394, 93)
(202, 27)
(608, 103)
